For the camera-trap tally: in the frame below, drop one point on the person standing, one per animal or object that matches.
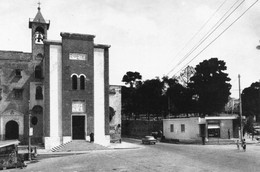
(244, 144)
(237, 143)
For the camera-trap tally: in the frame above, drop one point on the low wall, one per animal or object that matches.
(138, 128)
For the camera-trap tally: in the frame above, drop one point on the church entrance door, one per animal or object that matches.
(78, 127)
(11, 130)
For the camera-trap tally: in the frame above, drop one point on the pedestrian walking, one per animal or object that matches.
(244, 144)
(237, 143)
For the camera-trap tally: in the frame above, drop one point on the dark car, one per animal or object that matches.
(149, 140)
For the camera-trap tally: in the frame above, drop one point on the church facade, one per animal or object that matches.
(57, 93)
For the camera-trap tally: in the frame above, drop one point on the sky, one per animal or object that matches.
(151, 37)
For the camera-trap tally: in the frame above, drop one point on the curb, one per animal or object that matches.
(88, 151)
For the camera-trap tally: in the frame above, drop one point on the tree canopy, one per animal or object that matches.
(131, 78)
(206, 92)
(251, 101)
(211, 85)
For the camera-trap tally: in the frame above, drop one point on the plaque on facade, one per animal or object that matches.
(78, 106)
(31, 132)
(77, 56)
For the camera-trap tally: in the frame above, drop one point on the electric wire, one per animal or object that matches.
(200, 29)
(210, 32)
(219, 35)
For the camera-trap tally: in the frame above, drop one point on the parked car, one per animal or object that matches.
(149, 140)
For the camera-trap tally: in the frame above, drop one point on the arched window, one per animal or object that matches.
(39, 56)
(38, 72)
(82, 82)
(38, 95)
(74, 80)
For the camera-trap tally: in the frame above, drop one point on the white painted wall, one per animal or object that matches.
(55, 97)
(99, 97)
(191, 129)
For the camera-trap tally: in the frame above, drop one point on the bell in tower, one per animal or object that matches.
(39, 35)
(39, 27)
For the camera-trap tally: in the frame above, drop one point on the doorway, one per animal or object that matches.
(78, 127)
(11, 130)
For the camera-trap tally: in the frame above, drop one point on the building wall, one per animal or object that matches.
(78, 57)
(226, 125)
(36, 116)
(81, 45)
(140, 128)
(53, 92)
(106, 80)
(101, 109)
(53, 113)
(9, 82)
(12, 115)
(116, 104)
(192, 130)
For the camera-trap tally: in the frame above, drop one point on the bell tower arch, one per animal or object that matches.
(39, 27)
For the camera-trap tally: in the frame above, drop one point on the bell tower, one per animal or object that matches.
(39, 28)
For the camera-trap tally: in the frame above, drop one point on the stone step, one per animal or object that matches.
(79, 145)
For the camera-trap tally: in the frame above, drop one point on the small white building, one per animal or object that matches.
(193, 128)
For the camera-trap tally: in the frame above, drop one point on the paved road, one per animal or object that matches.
(159, 157)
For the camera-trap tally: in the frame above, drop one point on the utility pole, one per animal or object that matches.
(258, 47)
(240, 109)
(29, 136)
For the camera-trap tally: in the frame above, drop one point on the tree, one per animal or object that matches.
(185, 75)
(128, 103)
(178, 96)
(251, 101)
(149, 97)
(249, 126)
(210, 85)
(132, 78)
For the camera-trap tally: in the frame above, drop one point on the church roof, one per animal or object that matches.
(39, 18)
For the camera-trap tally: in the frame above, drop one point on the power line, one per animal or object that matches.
(210, 32)
(201, 28)
(219, 35)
